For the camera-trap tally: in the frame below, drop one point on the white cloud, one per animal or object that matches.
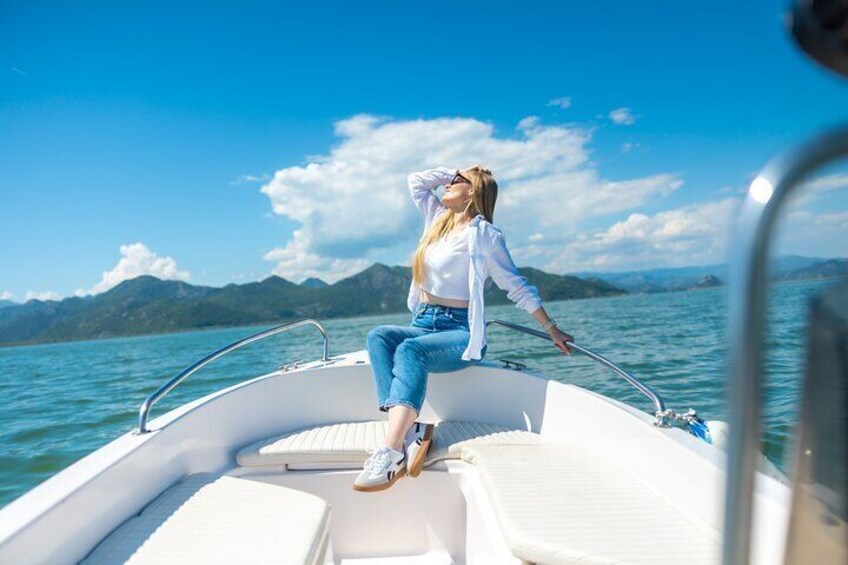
(564, 102)
(696, 234)
(250, 179)
(528, 122)
(831, 220)
(136, 260)
(6, 295)
(803, 232)
(692, 235)
(354, 207)
(828, 182)
(814, 223)
(628, 147)
(296, 263)
(46, 295)
(622, 117)
(817, 187)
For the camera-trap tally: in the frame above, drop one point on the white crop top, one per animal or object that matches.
(446, 265)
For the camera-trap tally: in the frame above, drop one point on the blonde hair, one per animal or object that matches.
(483, 198)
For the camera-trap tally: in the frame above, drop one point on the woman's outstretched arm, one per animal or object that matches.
(558, 336)
(421, 186)
(503, 271)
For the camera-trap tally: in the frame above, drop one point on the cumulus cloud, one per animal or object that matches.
(353, 206)
(6, 295)
(696, 234)
(691, 235)
(296, 262)
(136, 260)
(564, 102)
(45, 295)
(622, 117)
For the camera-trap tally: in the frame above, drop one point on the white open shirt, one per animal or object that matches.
(489, 257)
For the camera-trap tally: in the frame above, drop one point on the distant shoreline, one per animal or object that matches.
(251, 325)
(146, 305)
(269, 324)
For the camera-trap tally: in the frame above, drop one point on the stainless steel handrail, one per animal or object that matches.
(661, 414)
(748, 286)
(144, 410)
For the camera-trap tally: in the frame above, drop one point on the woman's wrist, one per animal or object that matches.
(551, 323)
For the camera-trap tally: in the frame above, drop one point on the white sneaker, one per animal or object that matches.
(417, 443)
(381, 470)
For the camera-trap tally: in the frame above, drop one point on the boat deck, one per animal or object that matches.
(487, 495)
(522, 469)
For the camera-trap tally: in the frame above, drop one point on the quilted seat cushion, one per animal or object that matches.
(333, 443)
(452, 437)
(349, 442)
(563, 504)
(208, 518)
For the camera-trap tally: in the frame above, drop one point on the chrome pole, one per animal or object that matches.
(144, 410)
(748, 286)
(661, 412)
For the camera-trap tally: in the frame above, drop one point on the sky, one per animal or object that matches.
(225, 142)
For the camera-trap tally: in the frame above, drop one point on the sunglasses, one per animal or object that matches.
(459, 179)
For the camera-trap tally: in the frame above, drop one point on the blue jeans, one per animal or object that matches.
(402, 356)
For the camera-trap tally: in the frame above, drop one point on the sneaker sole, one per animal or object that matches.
(401, 473)
(416, 465)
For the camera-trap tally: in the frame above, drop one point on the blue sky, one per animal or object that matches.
(222, 143)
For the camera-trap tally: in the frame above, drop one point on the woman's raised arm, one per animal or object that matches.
(421, 186)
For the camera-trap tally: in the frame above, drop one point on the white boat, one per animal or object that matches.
(524, 467)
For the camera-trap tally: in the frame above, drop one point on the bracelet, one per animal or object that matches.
(549, 325)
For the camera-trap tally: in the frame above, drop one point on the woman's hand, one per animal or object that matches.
(559, 338)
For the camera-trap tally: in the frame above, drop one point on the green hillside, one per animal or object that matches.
(147, 305)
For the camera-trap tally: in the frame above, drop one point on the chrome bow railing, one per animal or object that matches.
(144, 410)
(663, 416)
(748, 285)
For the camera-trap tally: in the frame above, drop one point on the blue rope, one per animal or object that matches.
(698, 428)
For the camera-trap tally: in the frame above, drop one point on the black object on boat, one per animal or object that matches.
(820, 28)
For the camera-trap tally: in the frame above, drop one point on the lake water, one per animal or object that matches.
(63, 401)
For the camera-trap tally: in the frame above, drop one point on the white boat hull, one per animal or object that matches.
(444, 515)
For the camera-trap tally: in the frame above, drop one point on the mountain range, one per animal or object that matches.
(146, 305)
(785, 268)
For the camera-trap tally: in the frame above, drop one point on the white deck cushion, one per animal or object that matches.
(451, 437)
(217, 519)
(346, 442)
(349, 442)
(564, 504)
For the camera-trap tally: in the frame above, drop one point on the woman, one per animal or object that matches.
(459, 250)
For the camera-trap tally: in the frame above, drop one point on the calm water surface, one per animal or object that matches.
(63, 401)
